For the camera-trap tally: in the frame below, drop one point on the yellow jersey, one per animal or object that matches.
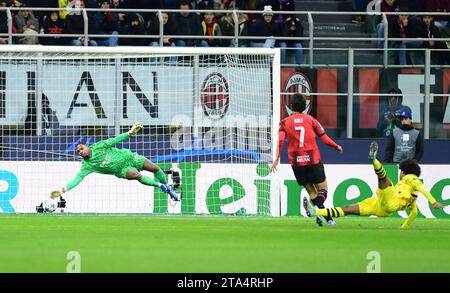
(407, 190)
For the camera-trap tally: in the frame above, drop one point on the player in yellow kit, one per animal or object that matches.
(389, 198)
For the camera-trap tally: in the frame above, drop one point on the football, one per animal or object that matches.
(50, 205)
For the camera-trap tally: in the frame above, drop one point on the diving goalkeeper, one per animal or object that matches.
(389, 198)
(102, 157)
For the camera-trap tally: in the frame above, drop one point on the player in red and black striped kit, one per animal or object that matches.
(304, 155)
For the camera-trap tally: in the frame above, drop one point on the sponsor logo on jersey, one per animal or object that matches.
(215, 96)
(297, 82)
(303, 159)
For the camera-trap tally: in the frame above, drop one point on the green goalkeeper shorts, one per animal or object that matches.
(135, 163)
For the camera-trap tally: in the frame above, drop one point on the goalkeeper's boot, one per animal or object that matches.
(310, 211)
(373, 149)
(173, 195)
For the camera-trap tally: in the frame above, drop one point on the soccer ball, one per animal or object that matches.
(50, 205)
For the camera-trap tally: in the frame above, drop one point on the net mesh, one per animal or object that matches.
(207, 117)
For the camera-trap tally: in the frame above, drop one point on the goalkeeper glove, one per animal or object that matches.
(136, 128)
(57, 193)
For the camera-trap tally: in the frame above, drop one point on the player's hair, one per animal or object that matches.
(410, 166)
(298, 103)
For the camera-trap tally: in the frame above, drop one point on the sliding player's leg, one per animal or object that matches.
(372, 206)
(383, 180)
(368, 207)
(353, 209)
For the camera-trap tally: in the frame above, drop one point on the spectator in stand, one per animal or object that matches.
(292, 28)
(207, 5)
(188, 24)
(118, 4)
(227, 26)
(143, 4)
(201, 4)
(42, 15)
(134, 25)
(55, 26)
(445, 55)
(28, 25)
(403, 26)
(218, 5)
(50, 124)
(265, 26)
(247, 5)
(169, 28)
(107, 23)
(3, 23)
(210, 28)
(385, 6)
(282, 5)
(75, 25)
(430, 31)
(67, 5)
(16, 3)
(439, 6)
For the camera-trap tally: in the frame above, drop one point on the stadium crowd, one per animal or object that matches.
(117, 25)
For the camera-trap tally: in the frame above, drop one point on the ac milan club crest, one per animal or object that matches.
(215, 97)
(297, 82)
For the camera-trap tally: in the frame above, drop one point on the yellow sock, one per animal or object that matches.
(330, 212)
(379, 169)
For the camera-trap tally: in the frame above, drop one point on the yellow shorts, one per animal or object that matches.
(381, 205)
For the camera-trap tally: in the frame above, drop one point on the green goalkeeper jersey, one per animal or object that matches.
(105, 159)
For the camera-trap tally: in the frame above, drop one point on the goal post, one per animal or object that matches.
(211, 114)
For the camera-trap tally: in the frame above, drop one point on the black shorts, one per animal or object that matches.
(312, 174)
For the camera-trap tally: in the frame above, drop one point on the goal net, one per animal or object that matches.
(208, 114)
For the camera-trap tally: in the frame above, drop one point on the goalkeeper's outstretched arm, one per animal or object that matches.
(80, 176)
(137, 126)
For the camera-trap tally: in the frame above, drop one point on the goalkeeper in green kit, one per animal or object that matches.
(102, 157)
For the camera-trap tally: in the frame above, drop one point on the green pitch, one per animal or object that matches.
(40, 243)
